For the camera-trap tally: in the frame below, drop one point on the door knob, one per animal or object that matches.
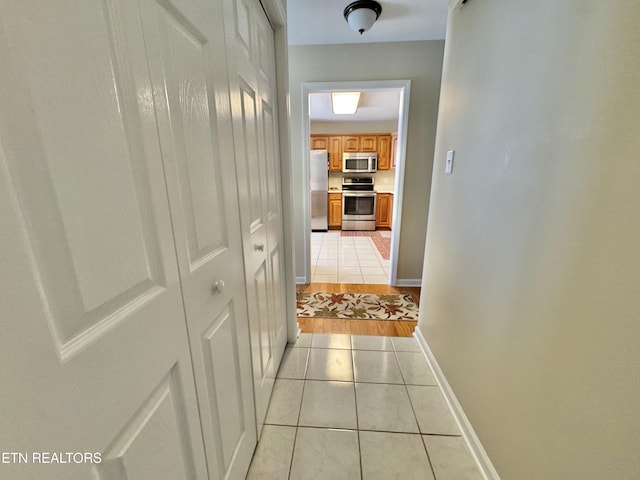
(259, 247)
(218, 287)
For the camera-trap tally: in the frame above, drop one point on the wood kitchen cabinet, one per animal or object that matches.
(331, 143)
(384, 152)
(384, 144)
(368, 143)
(351, 143)
(384, 210)
(335, 153)
(335, 211)
(319, 142)
(394, 149)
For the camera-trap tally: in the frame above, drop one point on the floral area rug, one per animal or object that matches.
(364, 306)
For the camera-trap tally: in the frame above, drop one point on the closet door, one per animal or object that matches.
(252, 77)
(187, 59)
(94, 349)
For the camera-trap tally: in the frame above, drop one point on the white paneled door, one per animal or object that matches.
(116, 158)
(250, 39)
(187, 62)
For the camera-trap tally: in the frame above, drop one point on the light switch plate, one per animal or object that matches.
(448, 166)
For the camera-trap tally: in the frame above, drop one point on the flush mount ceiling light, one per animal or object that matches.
(361, 15)
(344, 103)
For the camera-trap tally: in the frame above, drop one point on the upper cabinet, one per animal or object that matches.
(351, 143)
(336, 145)
(384, 152)
(368, 143)
(335, 153)
(319, 142)
(394, 149)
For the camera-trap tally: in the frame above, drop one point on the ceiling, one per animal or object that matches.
(375, 105)
(320, 22)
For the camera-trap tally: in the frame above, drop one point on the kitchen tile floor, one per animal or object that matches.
(338, 259)
(356, 407)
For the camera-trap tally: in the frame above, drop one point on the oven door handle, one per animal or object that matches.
(358, 194)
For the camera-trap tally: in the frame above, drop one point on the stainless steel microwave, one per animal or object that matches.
(359, 162)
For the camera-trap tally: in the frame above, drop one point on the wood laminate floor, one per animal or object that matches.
(389, 328)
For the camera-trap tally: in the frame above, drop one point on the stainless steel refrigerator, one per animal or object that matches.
(319, 183)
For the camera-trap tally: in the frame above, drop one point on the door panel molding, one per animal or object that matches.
(187, 61)
(224, 382)
(86, 228)
(252, 82)
(134, 452)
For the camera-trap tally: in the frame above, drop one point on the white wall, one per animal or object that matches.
(531, 291)
(420, 62)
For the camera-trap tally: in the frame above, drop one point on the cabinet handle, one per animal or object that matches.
(218, 287)
(259, 247)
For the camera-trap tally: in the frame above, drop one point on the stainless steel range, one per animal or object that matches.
(358, 204)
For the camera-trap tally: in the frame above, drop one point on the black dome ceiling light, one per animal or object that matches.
(361, 15)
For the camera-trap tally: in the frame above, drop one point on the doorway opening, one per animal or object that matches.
(383, 119)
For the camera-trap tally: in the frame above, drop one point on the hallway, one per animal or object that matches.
(349, 407)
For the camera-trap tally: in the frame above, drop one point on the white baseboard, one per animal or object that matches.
(408, 282)
(477, 450)
(301, 280)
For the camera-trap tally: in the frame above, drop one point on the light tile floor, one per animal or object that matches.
(338, 259)
(357, 407)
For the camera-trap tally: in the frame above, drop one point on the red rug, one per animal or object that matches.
(383, 244)
(359, 233)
